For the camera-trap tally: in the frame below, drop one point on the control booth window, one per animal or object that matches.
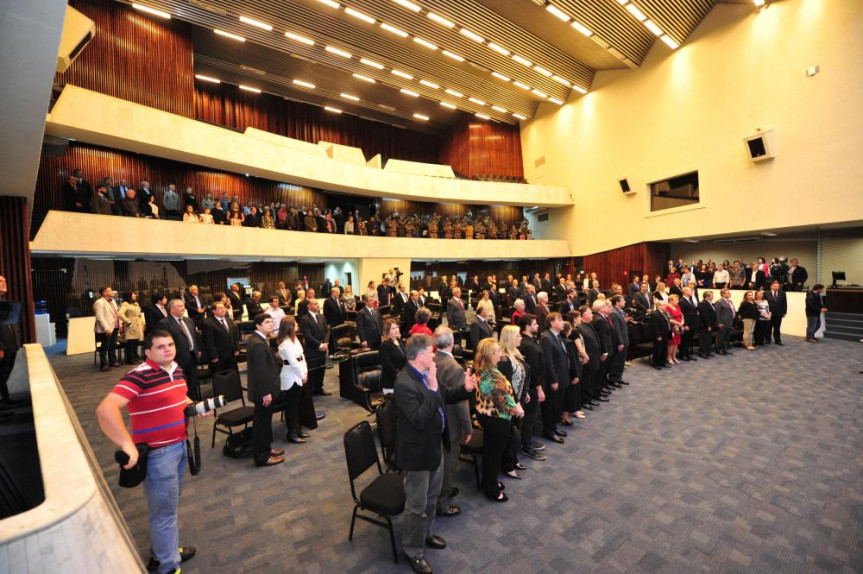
(676, 191)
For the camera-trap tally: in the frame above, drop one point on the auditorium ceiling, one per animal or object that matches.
(425, 64)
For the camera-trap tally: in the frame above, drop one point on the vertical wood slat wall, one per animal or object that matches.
(615, 265)
(484, 150)
(15, 260)
(143, 60)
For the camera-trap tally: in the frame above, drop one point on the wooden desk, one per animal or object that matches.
(844, 300)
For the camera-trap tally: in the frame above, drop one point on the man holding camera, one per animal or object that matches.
(154, 394)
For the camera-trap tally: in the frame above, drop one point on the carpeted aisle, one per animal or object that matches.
(748, 463)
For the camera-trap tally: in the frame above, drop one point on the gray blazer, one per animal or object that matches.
(451, 376)
(724, 312)
(455, 315)
(617, 317)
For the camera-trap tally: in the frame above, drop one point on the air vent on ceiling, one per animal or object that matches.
(303, 58)
(208, 7)
(539, 162)
(253, 70)
(736, 240)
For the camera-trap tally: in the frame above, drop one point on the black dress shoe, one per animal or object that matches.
(324, 393)
(560, 433)
(780, 344)
(301, 434)
(296, 439)
(657, 367)
(593, 403)
(603, 400)
(623, 383)
(449, 511)
(436, 542)
(320, 415)
(419, 564)
(666, 366)
(566, 423)
(554, 438)
(691, 359)
(587, 406)
(520, 466)
(535, 455)
(616, 385)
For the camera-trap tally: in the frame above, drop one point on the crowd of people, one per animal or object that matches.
(110, 198)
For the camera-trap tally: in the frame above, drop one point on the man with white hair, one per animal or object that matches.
(542, 309)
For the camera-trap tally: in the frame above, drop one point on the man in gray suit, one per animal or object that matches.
(480, 329)
(725, 314)
(451, 376)
(455, 311)
(618, 319)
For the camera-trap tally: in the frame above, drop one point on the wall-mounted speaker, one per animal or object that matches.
(760, 147)
(624, 186)
(78, 30)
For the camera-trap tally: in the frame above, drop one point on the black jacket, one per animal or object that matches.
(779, 304)
(315, 333)
(690, 314)
(392, 360)
(479, 330)
(152, 316)
(253, 308)
(556, 358)
(659, 324)
(592, 345)
(369, 328)
(532, 353)
(707, 315)
(218, 342)
(263, 369)
(814, 304)
(334, 312)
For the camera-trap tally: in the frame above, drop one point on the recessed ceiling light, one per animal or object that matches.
(758, 3)
(371, 63)
(653, 27)
(256, 24)
(330, 3)
(539, 93)
(401, 74)
(152, 11)
(669, 42)
(441, 20)
(425, 43)
(521, 85)
(498, 48)
(473, 36)
(409, 93)
(332, 109)
(338, 51)
(555, 101)
(560, 80)
(304, 84)
(633, 9)
(359, 15)
(250, 89)
(364, 78)
(394, 30)
(558, 13)
(581, 28)
(522, 61)
(453, 56)
(500, 76)
(519, 116)
(409, 5)
(208, 79)
(454, 93)
(482, 116)
(229, 35)
(499, 109)
(431, 85)
(421, 117)
(579, 89)
(349, 97)
(476, 101)
(542, 71)
(448, 105)
(301, 39)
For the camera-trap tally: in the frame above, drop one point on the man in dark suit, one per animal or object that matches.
(303, 306)
(530, 300)
(590, 387)
(452, 377)
(187, 344)
(560, 289)
(83, 192)
(253, 305)
(755, 277)
(401, 299)
(556, 376)
(542, 310)
(660, 329)
(409, 312)
(634, 288)
(236, 298)
(570, 303)
(778, 304)
(725, 314)
(621, 327)
(545, 283)
(444, 291)
(797, 276)
(369, 324)
(455, 312)
(609, 341)
(690, 324)
(316, 336)
(534, 393)
(283, 293)
(480, 329)
(155, 312)
(513, 291)
(643, 300)
(335, 313)
(263, 384)
(221, 339)
(593, 292)
(421, 437)
(386, 292)
(707, 325)
(814, 308)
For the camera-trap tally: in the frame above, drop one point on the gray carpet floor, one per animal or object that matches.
(750, 463)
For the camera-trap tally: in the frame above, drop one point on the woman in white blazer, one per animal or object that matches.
(294, 374)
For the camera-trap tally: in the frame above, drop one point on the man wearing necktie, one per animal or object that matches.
(608, 341)
(316, 346)
(725, 314)
(221, 339)
(186, 341)
(195, 305)
(778, 305)
(108, 327)
(369, 324)
(557, 380)
(335, 313)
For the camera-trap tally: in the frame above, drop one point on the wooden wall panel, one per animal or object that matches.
(134, 57)
(15, 260)
(228, 106)
(616, 264)
(484, 150)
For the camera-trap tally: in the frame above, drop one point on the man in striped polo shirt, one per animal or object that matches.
(155, 395)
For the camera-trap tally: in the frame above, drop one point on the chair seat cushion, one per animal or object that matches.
(386, 494)
(235, 417)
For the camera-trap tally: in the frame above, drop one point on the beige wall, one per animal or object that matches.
(690, 110)
(805, 250)
(842, 254)
(373, 269)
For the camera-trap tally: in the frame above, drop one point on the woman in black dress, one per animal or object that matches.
(391, 354)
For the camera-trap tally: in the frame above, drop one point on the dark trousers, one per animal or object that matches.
(605, 370)
(132, 351)
(660, 350)
(531, 414)
(722, 336)
(316, 371)
(262, 433)
(589, 382)
(618, 364)
(190, 369)
(705, 342)
(510, 454)
(307, 407)
(572, 396)
(551, 409)
(686, 338)
(496, 435)
(762, 330)
(774, 328)
(107, 347)
(289, 403)
(6, 365)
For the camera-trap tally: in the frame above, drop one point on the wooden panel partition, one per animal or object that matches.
(15, 259)
(482, 150)
(615, 265)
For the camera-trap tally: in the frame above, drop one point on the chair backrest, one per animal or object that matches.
(360, 451)
(366, 362)
(386, 419)
(228, 383)
(371, 380)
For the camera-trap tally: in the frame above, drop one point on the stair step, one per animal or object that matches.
(844, 330)
(844, 336)
(845, 321)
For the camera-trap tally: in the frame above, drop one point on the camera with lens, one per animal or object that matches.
(205, 406)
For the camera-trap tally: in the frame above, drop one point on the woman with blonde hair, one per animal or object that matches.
(348, 299)
(513, 366)
(661, 291)
(495, 406)
(301, 296)
(675, 317)
(485, 301)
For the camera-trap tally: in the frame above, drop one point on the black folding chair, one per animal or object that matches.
(228, 383)
(385, 495)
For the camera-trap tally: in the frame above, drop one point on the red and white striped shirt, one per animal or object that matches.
(157, 399)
